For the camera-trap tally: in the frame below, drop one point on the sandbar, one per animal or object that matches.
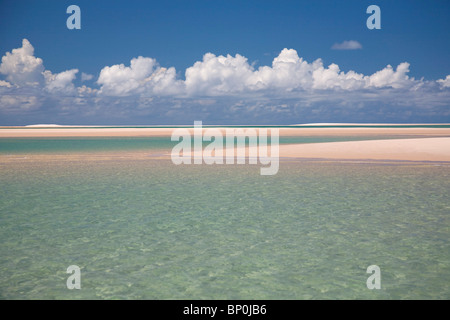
(416, 143)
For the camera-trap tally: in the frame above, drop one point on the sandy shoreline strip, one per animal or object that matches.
(423, 149)
(30, 132)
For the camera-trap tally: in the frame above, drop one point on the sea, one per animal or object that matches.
(149, 229)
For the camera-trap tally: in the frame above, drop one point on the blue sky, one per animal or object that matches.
(79, 78)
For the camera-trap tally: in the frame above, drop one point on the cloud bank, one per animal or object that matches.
(223, 89)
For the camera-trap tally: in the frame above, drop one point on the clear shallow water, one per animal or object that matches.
(91, 144)
(152, 230)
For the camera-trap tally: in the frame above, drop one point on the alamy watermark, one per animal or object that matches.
(224, 150)
(73, 281)
(374, 21)
(374, 281)
(74, 20)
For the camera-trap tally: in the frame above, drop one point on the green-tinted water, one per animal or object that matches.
(153, 230)
(88, 144)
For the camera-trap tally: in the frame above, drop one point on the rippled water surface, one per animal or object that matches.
(153, 230)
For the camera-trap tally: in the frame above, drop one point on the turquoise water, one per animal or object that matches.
(88, 144)
(85, 144)
(151, 230)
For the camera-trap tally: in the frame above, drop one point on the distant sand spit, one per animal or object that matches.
(28, 132)
(423, 149)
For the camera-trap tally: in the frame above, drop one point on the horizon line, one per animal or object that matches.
(329, 124)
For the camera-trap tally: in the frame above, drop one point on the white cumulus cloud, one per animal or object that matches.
(143, 76)
(60, 82)
(216, 75)
(21, 66)
(333, 78)
(220, 75)
(288, 72)
(445, 83)
(23, 69)
(389, 77)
